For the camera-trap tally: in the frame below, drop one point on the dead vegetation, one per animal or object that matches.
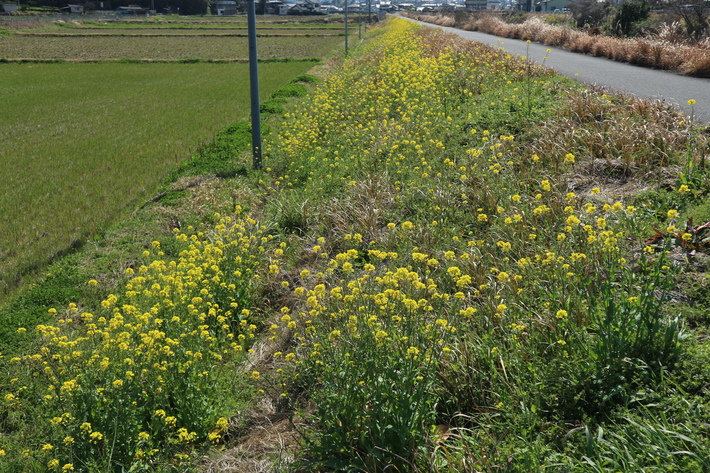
(663, 51)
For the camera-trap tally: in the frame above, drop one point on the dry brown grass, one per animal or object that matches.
(265, 443)
(668, 50)
(696, 65)
(635, 138)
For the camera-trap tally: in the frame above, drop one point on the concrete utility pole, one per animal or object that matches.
(346, 27)
(254, 86)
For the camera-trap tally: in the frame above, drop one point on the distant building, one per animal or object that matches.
(98, 5)
(73, 8)
(226, 7)
(305, 7)
(331, 9)
(132, 10)
(484, 5)
(274, 7)
(525, 5)
(552, 5)
(10, 7)
(476, 4)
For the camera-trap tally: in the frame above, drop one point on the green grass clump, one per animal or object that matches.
(306, 79)
(291, 90)
(273, 106)
(219, 156)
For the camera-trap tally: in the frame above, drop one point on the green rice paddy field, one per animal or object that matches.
(216, 47)
(81, 144)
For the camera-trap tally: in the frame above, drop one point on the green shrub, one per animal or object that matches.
(628, 15)
(273, 106)
(219, 156)
(291, 90)
(306, 79)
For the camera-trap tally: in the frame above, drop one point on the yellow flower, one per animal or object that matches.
(691, 102)
(222, 423)
(572, 220)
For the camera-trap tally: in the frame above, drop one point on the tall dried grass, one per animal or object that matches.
(667, 50)
(589, 124)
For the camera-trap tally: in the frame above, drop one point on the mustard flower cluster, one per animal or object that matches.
(385, 113)
(139, 376)
(509, 234)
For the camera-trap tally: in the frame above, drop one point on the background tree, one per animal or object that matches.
(588, 12)
(628, 16)
(695, 15)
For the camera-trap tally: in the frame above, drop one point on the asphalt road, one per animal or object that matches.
(610, 75)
